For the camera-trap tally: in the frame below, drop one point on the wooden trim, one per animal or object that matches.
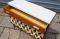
(22, 16)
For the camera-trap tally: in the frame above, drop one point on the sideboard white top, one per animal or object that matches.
(37, 11)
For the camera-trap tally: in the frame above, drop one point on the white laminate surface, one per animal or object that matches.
(37, 11)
